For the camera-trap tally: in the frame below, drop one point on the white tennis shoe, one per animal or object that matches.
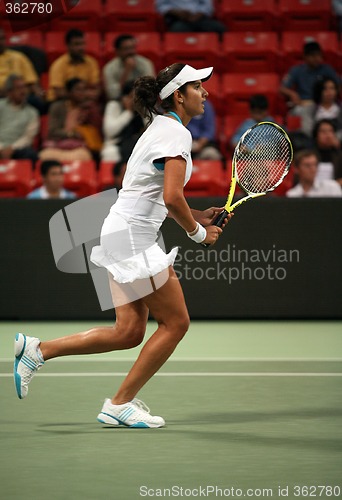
(133, 414)
(27, 361)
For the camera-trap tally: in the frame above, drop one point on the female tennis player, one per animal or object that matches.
(142, 278)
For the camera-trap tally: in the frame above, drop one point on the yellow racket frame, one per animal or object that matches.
(228, 206)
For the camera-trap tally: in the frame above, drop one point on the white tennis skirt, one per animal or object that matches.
(129, 250)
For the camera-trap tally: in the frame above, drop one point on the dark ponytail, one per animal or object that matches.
(146, 96)
(146, 92)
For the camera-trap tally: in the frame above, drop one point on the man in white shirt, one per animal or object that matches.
(19, 122)
(126, 66)
(306, 166)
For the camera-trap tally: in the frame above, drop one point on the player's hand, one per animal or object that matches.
(127, 102)
(213, 233)
(295, 98)
(130, 63)
(6, 153)
(227, 219)
(209, 215)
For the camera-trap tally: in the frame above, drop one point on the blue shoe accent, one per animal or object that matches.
(28, 363)
(134, 414)
(17, 381)
(111, 416)
(127, 413)
(140, 425)
(17, 377)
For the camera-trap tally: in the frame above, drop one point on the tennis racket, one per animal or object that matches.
(261, 160)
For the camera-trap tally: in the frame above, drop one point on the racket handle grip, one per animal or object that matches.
(220, 218)
(217, 222)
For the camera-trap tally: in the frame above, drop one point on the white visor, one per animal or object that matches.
(187, 74)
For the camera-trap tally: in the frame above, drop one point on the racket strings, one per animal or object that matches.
(262, 159)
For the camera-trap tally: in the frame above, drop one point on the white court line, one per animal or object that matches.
(85, 359)
(188, 374)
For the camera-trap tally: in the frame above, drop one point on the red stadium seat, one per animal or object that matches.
(231, 123)
(15, 178)
(293, 123)
(55, 45)
(148, 45)
(131, 16)
(84, 15)
(238, 88)
(197, 49)
(44, 81)
(248, 15)
(299, 15)
(44, 126)
(207, 179)
(292, 47)
(219, 121)
(245, 52)
(79, 177)
(105, 175)
(31, 38)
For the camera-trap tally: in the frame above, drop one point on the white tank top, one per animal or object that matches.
(141, 197)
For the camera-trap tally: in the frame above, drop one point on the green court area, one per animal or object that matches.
(249, 407)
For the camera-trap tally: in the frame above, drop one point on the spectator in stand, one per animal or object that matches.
(19, 122)
(297, 86)
(337, 8)
(309, 185)
(74, 126)
(259, 111)
(326, 106)
(74, 64)
(192, 15)
(203, 131)
(15, 62)
(126, 66)
(52, 175)
(122, 127)
(328, 149)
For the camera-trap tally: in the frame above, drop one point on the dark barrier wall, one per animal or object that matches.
(277, 259)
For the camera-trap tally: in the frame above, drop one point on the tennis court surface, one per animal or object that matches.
(249, 407)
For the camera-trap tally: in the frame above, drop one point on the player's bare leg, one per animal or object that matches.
(128, 332)
(30, 353)
(167, 306)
